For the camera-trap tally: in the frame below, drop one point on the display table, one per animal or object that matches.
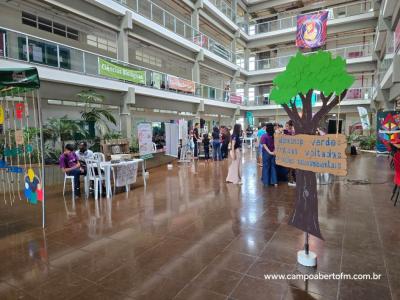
(108, 165)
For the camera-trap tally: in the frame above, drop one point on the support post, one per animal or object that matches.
(125, 114)
(122, 40)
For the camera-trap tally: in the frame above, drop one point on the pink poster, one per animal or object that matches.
(397, 37)
(235, 99)
(180, 84)
(2, 43)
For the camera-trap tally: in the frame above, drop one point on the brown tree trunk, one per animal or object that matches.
(305, 214)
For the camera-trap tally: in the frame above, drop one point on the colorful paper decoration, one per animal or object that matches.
(311, 30)
(33, 187)
(19, 137)
(1, 115)
(19, 110)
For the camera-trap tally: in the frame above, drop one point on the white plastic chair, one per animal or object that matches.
(91, 176)
(69, 177)
(99, 156)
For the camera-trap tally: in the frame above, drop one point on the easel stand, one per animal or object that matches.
(306, 257)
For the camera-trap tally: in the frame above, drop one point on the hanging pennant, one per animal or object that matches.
(33, 187)
(19, 110)
(1, 115)
(19, 137)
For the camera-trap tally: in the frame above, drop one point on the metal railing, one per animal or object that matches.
(350, 52)
(167, 20)
(225, 8)
(63, 57)
(290, 22)
(354, 93)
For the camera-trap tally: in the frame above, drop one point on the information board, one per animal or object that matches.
(145, 138)
(319, 154)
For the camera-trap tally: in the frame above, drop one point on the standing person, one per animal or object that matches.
(269, 176)
(69, 164)
(289, 130)
(225, 137)
(216, 144)
(260, 133)
(196, 138)
(206, 145)
(235, 168)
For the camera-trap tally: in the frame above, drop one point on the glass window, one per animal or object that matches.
(59, 29)
(29, 19)
(45, 24)
(252, 63)
(251, 94)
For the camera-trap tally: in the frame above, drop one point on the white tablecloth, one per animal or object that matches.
(107, 165)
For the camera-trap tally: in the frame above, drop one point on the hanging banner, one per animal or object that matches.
(235, 99)
(19, 137)
(201, 40)
(2, 46)
(157, 79)
(311, 30)
(117, 71)
(1, 115)
(19, 110)
(181, 84)
(250, 118)
(362, 111)
(388, 129)
(145, 138)
(319, 154)
(397, 38)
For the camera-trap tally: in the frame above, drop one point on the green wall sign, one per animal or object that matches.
(112, 70)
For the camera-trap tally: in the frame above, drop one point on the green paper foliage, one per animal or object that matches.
(317, 71)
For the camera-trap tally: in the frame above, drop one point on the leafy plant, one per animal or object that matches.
(367, 142)
(112, 135)
(94, 111)
(61, 130)
(134, 146)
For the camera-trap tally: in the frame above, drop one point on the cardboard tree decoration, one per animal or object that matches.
(305, 74)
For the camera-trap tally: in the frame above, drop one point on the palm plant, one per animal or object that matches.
(61, 130)
(94, 113)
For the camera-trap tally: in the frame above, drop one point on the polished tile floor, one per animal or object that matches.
(189, 235)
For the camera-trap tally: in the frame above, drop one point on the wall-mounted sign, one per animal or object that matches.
(181, 84)
(319, 154)
(113, 70)
(235, 99)
(397, 37)
(2, 46)
(311, 30)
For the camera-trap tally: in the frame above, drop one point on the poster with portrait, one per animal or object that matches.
(311, 30)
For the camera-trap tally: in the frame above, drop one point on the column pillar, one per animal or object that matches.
(125, 114)
(234, 81)
(246, 58)
(196, 66)
(122, 40)
(195, 19)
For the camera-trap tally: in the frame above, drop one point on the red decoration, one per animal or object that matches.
(19, 110)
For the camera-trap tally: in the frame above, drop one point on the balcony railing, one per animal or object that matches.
(167, 20)
(337, 12)
(63, 57)
(354, 93)
(225, 8)
(350, 52)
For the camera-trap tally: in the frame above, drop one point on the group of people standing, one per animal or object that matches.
(220, 139)
(266, 152)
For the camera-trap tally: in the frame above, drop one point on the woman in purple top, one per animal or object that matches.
(69, 163)
(269, 176)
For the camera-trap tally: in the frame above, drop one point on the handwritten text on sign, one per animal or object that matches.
(319, 154)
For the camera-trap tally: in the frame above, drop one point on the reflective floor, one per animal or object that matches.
(189, 235)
